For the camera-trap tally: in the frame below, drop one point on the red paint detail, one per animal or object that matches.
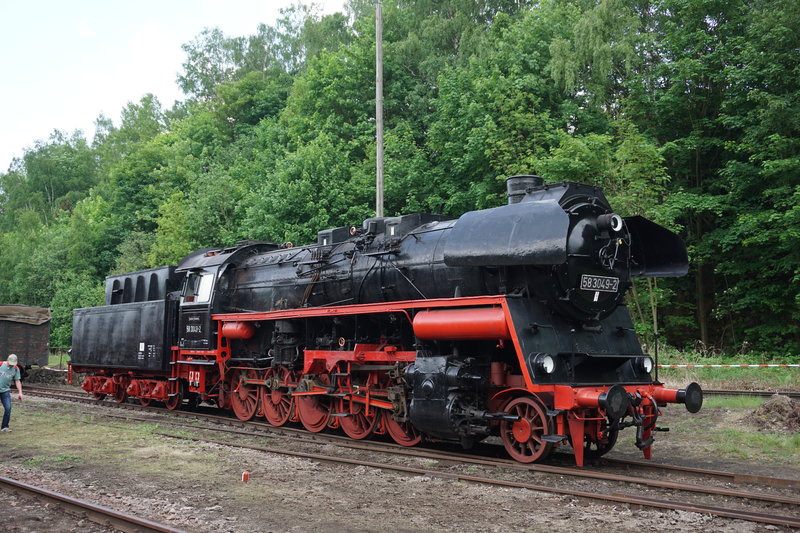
(564, 397)
(196, 377)
(663, 395)
(238, 330)
(133, 388)
(527, 381)
(403, 433)
(461, 324)
(363, 309)
(577, 432)
(521, 430)
(325, 360)
(498, 372)
(585, 397)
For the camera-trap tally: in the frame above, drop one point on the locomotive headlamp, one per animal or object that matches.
(644, 364)
(610, 222)
(545, 363)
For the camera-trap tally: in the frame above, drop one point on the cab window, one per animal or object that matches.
(198, 288)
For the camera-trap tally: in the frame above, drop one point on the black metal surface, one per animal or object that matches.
(692, 397)
(525, 233)
(134, 335)
(142, 286)
(655, 250)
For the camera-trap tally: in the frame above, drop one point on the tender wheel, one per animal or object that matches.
(245, 396)
(99, 396)
(358, 425)
(276, 403)
(121, 395)
(598, 448)
(174, 402)
(403, 433)
(145, 402)
(523, 438)
(315, 411)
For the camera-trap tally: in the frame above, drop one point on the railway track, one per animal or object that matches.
(447, 461)
(85, 510)
(761, 393)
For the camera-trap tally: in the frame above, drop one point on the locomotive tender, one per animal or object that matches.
(508, 321)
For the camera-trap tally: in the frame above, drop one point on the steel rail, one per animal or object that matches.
(733, 477)
(302, 435)
(550, 469)
(760, 393)
(764, 518)
(96, 513)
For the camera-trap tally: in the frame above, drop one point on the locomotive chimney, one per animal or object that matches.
(517, 186)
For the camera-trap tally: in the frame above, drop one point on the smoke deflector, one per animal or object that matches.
(656, 252)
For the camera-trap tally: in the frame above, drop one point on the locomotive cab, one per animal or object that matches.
(206, 275)
(196, 303)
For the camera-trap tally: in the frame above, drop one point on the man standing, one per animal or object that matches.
(8, 372)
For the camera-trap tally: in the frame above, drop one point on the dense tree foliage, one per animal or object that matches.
(685, 111)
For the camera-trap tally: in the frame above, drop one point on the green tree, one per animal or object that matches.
(503, 113)
(51, 176)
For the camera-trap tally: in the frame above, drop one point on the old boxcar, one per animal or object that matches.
(25, 331)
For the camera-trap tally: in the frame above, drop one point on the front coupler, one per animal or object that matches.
(593, 412)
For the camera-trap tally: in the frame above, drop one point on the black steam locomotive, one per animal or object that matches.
(507, 321)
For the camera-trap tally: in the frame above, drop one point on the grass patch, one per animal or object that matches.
(59, 461)
(728, 378)
(754, 445)
(733, 402)
(55, 438)
(58, 360)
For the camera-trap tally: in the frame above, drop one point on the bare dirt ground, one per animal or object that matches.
(81, 451)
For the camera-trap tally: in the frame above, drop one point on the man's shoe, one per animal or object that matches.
(5, 429)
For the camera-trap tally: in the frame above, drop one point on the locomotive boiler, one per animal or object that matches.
(507, 322)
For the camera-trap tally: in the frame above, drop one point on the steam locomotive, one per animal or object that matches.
(506, 322)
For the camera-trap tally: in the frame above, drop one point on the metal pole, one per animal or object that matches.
(379, 109)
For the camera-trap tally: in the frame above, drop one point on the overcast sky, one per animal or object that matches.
(63, 63)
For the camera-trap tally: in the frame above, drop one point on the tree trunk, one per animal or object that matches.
(704, 302)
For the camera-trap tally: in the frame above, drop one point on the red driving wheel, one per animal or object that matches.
(357, 424)
(245, 396)
(315, 410)
(276, 403)
(403, 433)
(523, 438)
